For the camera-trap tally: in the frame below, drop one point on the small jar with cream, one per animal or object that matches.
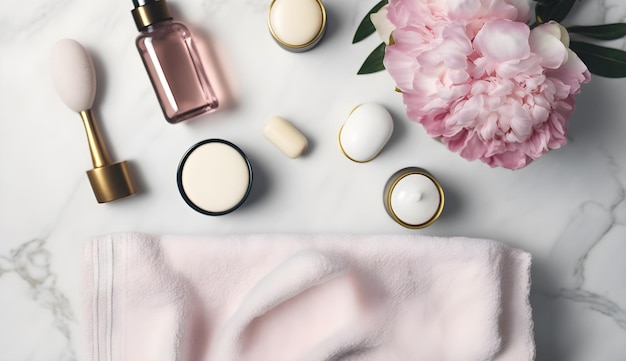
(413, 198)
(214, 177)
(297, 25)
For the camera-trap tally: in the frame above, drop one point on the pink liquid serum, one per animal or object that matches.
(169, 54)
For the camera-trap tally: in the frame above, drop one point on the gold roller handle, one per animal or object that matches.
(99, 154)
(109, 181)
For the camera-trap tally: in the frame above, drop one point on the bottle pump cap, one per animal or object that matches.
(149, 12)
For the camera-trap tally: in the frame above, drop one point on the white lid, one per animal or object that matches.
(366, 131)
(296, 23)
(415, 199)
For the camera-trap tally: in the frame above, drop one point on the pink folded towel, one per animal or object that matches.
(306, 298)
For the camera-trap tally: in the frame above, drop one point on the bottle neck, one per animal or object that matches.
(150, 14)
(159, 24)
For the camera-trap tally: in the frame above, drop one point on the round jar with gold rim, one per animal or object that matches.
(297, 25)
(413, 198)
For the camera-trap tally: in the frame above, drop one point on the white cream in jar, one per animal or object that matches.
(297, 25)
(214, 177)
(413, 198)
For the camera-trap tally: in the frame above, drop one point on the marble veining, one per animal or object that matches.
(572, 249)
(597, 303)
(31, 262)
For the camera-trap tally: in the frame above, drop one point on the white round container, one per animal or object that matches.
(413, 198)
(297, 25)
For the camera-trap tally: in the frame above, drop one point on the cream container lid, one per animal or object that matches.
(413, 198)
(366, 131)
(214, 177)
(297, 25)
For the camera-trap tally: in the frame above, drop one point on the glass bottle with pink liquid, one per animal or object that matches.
(172, 62)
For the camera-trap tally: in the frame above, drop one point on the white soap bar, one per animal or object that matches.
(365, 132)
(285, 137)
(74, 75)
(297, 24)
(214, 177)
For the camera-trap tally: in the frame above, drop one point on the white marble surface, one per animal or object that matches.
(568, 209)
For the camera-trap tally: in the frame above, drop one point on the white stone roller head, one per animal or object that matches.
(74, 75)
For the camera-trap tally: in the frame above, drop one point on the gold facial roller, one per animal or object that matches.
(74, 77)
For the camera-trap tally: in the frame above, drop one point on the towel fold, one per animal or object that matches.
(306, 298)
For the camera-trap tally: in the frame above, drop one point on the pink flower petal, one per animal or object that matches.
(521, 8)
(502, 41)
(521, 124)
(573, 72)
(401, 66)
(545, 40)
(463, 9)
(456, 46)
(511, 160)
(476, 77)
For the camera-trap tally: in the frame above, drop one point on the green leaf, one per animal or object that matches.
(553, 10)
(601, 32)
(374, 62)
(366, 28)
(607, 62)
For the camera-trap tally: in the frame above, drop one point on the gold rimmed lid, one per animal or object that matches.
(305, 45)
(393, 182)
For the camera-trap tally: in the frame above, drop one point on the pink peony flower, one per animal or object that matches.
(477, 77)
